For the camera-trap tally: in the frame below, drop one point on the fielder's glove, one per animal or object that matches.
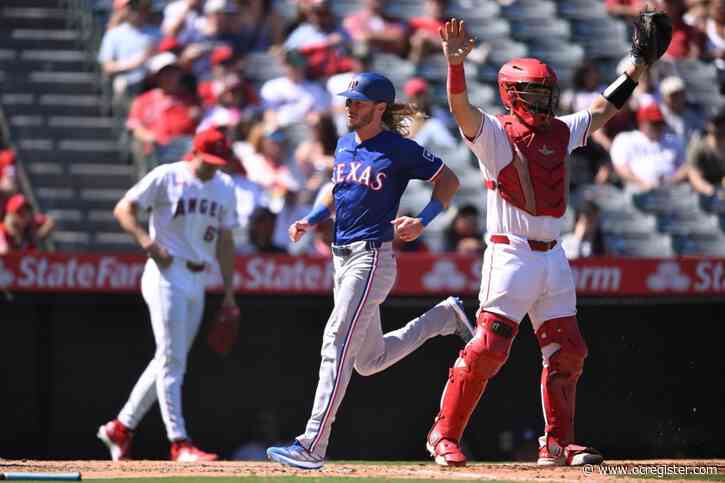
(223, 334)
(652, 36)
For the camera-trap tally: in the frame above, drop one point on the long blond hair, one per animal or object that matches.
(399, 117)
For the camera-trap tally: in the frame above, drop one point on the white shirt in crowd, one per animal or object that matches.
(249, 196)
(650, 160)
(292, 101)
(493, 150)
(186, 212)
(575, 247)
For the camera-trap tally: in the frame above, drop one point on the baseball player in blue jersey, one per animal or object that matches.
(373, 164)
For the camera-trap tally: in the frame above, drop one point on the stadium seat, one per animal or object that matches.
(668, 199)
(702, 245)
(628, 222)
(606, 196)
(530, 10)
(473, 10)
(648, 246)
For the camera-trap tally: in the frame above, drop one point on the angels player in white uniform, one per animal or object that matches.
(193, 213)
(523, 157)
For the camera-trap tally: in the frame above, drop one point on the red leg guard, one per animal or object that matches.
(479, 361)
(564, 351)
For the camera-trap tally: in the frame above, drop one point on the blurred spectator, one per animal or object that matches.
(715, 31)
(323, 42)
(249, 196)
(650, 156)
(295, 206)
(233, 103)
(424, 36)
(126, 48)
(181, 17)
(466, 224)
(586, 87)
(291, 98)
(430, 131)
(687, 42)
(706, 157)
(315, 156)
(22, 228)
(470, 246)
(697, 13)
(373, 30)
(680, 118)
(261, 229)
(264, 23)
(629, 9)
(590, 163)
(267, 164)
(8, 181)
(221, 25)
(319, 29)
(225, 64)
(587, 239)
(167, 112)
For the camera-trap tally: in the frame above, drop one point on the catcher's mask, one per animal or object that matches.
(528, 88)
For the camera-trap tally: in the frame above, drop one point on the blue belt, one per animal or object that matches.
(346, 250)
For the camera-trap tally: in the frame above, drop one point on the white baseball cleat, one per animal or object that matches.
(185, 451)
(117, 438)
(553, 454)
(464, 328)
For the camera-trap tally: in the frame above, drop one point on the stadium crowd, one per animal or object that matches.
(185, 69)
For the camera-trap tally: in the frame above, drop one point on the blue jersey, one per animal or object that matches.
(370, 178)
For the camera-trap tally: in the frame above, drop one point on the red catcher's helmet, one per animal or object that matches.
(515, 80)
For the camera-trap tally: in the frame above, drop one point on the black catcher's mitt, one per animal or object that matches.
(652, 36)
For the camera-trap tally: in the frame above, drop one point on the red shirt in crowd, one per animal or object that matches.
(167, 116)
(683, 38)
(428, 24)
(209, 92)
(8, 243)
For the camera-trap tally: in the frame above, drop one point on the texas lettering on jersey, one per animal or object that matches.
(352, 173)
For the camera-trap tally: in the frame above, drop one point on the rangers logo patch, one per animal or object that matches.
(428, 155)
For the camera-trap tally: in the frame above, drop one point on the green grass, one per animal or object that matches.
(280, 479)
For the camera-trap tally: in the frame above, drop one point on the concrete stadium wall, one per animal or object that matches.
(652, 385)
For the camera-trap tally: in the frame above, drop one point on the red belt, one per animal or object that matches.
(536, 245)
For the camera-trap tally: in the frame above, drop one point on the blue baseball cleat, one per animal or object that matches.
(464, 328)
(295, 455)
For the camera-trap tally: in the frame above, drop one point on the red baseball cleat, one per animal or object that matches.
(185, 451)
(446, 453)
(117, 438)
(553, 454)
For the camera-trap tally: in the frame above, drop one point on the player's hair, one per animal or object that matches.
(398, 117)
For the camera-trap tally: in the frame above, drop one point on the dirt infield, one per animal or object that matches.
(422, 470)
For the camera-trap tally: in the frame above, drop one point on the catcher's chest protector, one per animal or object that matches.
(536, 180)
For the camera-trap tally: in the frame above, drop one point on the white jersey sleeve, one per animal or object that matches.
(146, 192)
(490, 145)
(578, 123)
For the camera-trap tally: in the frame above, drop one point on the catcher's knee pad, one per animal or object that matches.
(487, 352)
(562, 346)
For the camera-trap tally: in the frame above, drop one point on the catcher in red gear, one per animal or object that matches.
(523, 157)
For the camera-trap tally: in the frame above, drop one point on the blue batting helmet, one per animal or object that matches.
(370, 86)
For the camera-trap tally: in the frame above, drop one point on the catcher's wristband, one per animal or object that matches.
(620, 90)
(318, 214)
(456, 79)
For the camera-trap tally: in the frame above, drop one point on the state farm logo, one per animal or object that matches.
(6, 277)
(668, 277)
(444, 275)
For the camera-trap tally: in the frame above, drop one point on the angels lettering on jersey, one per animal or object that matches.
(202, 206)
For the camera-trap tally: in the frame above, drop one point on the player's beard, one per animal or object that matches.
(360, 121)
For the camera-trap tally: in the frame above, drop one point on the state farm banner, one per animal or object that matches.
(418, 274)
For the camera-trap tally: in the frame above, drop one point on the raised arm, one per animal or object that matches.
(456, 46)
(651, 37)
